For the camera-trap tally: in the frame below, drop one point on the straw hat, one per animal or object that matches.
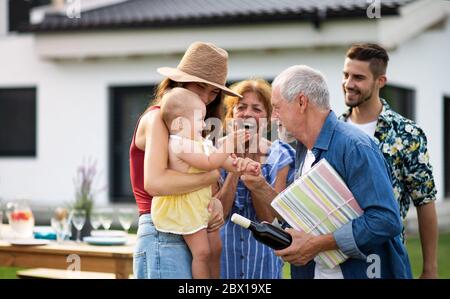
(202, 62)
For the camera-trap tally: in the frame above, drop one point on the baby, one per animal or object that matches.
(187, 214)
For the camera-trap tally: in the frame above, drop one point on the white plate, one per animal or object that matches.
(29, 242)
(108, 233)
(105, 240)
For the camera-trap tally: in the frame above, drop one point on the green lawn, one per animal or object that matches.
(415, 256)
(8, 272)
(413, 245)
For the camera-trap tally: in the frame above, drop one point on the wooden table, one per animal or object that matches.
(112, 259)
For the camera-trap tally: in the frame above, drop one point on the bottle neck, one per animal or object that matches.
(242, 221)
(252, 225)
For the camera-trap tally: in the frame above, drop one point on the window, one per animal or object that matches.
(446, 146)
(18, 122)
(401, 100)
(127, 104)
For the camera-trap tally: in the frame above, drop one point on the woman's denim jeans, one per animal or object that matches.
(160, 255)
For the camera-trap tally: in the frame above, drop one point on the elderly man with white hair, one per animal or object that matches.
(300, 99)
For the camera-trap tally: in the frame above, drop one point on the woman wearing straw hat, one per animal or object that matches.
(202, 70)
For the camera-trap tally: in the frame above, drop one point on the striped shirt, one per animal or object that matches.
(243, 256)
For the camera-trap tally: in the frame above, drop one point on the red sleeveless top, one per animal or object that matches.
(143, 199)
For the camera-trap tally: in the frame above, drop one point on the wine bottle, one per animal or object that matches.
(265, 232)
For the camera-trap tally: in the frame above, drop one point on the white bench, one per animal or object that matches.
(46, 273)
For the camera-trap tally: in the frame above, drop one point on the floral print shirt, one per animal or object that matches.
(404, 146)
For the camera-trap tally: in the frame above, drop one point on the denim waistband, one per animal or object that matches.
(145, 218)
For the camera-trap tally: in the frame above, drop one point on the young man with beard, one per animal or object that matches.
(403, 143)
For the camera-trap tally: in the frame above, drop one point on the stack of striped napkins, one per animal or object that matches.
(319, 202)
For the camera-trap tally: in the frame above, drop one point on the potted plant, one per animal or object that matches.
(85, 193)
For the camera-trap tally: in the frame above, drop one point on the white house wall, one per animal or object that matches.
(420, 63)
(175, 40)
(73, 116)
(423, 63)
(3, 18)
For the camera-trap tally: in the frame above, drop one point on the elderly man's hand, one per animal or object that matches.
(302, 250)
(252, 181)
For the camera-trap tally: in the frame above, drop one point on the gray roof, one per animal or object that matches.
(169, 13)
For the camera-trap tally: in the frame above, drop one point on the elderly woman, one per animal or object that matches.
(242, 255)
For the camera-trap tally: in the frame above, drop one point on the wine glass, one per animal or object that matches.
(61, 227)
(1, 217)
(95, 219)
(1, 211)
(60, 223)
(78, 220)
(106, 218)
(126, 217)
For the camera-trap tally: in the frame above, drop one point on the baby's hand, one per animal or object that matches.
(247, 165)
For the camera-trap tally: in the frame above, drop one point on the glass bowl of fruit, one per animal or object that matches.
(20, 219)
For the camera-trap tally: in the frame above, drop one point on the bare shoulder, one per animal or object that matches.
(152, 118)
(150, 121)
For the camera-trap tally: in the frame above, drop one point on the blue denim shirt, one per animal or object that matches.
(374, 238)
